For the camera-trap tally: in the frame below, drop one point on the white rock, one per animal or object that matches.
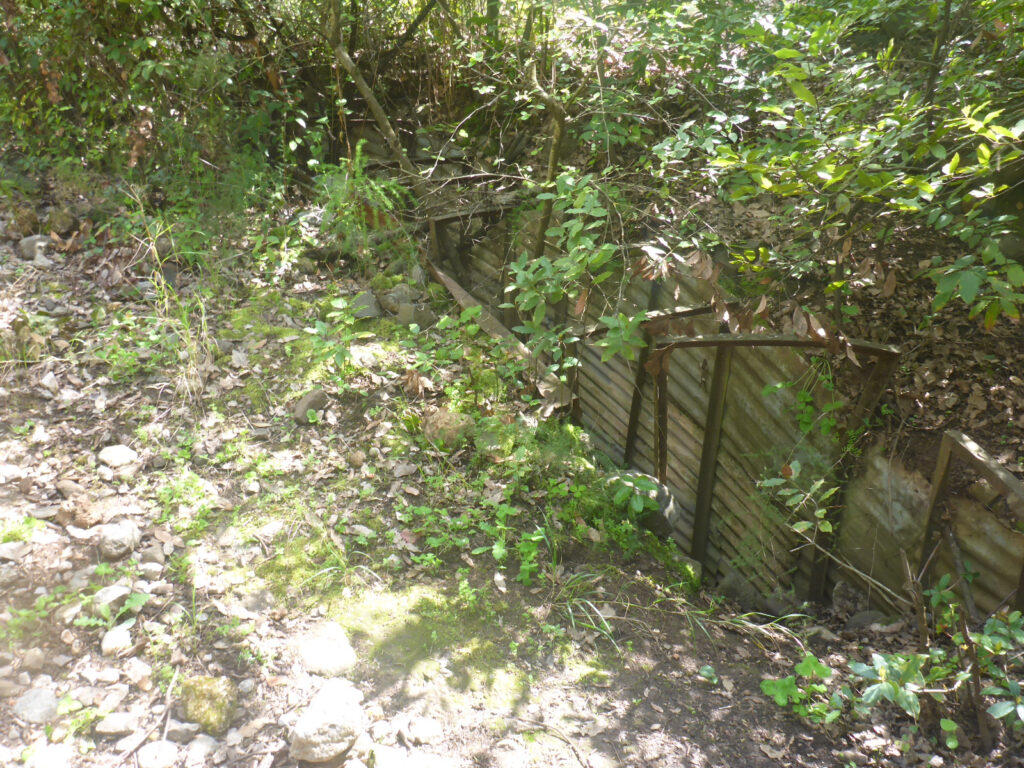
(118, 539)
(199, 749)
(38, 705)
(421, 730)
(49, 383)
(115, 456)
(329, 724)
(32, 246)
(51, 756)
(325, 650)
(14, 550)
(117, 724)
(116, 640)
(109, 599)
(158, 754)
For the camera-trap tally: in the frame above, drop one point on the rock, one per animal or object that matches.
(9, 688)
(116, 641)
(180, 732)
(14, 550)
(864, 619)
(356, 458)
(38, 705)
(33, 246)
(153, 554)
(107, 601)
(79, 579)
(138, 673)
(325, 650)
(400, 294)
(365, 305)
(34, 660)
(312, 401)
(52, 756)
(157, 754)
(199, 750)
(151, 571)
(117, 724)
(115, 456)
(447, 429)
(61, 221)
(209, 702)
(118, 539)
(421, 315)
(69, 488)
(49, 383)
(330, 723)
(418, 731)
(67, 613)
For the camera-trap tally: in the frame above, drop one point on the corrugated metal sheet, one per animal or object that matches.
(885, 504)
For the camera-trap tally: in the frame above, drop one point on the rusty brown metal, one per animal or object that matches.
(886, 356)
(636, 404)
(709, 452)
(957, 445)
(661, 421)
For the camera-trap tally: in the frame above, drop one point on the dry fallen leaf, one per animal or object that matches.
(889, 288)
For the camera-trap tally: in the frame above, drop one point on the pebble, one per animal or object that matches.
(118, 539)
(116, 640)
(32, 246)
(325, 650)
(38, 705)
(314, 401)
(199, 750)
(69, 488)
(115, 456)
(34, 660)
(180, 732)
(158, 754)
(117, 724)
(51, 756)
(108, 600)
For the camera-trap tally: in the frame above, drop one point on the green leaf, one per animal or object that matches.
(969, 283)
(1001, 709)
(812, 668)
(1015, 275)
(801, 92)
(787, 53)
(947, 725)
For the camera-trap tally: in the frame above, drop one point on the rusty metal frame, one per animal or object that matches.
(886, 357)
(959, 446)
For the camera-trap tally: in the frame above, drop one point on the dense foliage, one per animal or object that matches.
(837, 122)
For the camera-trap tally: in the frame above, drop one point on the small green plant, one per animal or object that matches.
(25, 622)
(332, 340)
(807, 691)
(105, 618)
